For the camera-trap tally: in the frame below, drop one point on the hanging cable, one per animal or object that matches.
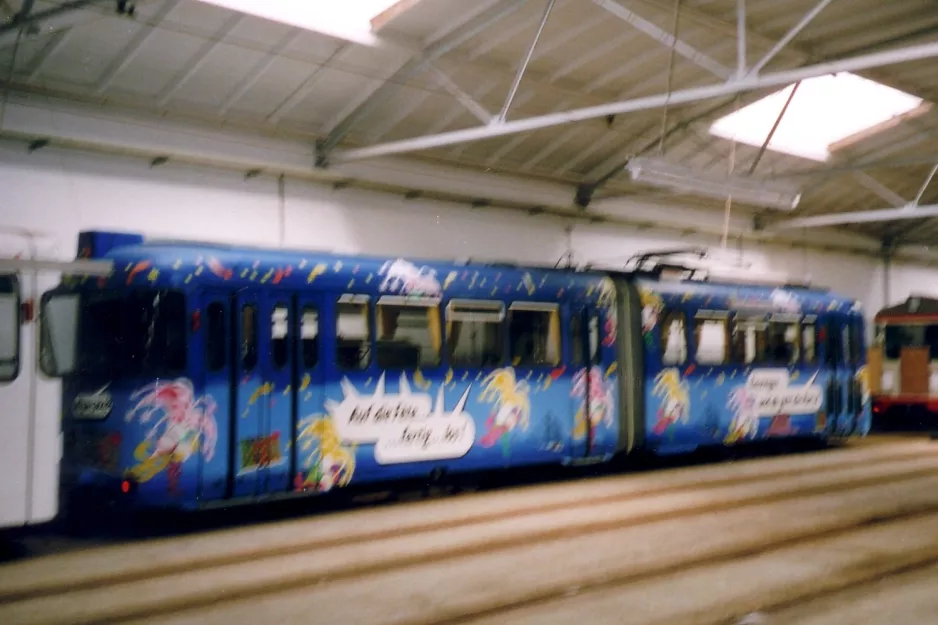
(729, 198)
(670, 77)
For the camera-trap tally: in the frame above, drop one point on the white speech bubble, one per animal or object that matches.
(774, 396)
(405, 427)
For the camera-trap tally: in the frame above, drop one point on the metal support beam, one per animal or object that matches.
(787, 37)
(921, 192)
(461, 96)
(859, 217)
(778, 120)
(688, 52)
(24, 18)
(740, 38)
(880, 189)
(684, 96)
(908, 210)
(524, 64)
(412, 68)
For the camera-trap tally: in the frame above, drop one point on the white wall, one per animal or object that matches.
(61, 192)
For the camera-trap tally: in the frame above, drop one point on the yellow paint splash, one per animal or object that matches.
(317, 271)
(262, 391)
(421, 382)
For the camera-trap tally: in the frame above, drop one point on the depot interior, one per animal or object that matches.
(796, 139)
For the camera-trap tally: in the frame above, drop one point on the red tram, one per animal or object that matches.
(903, 365)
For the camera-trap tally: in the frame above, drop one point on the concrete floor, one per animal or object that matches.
(790, 538)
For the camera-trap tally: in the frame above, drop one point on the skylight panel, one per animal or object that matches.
(345, 19)
(825, 111)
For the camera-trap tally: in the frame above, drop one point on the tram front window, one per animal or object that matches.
(896, 337)
(133, 333)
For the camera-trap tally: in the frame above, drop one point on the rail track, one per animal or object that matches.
(581, 538)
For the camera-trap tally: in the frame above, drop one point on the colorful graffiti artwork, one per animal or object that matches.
(769, 393)
(406, 426)
(183, 425)
(652, 307)
(511, 407)
(675, 406)
(260, 452)
(407, 279)
(601, 401)
(607, 301)
(327, 462)
(863, 379)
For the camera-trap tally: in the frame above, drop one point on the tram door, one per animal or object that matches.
(215, 321)
(262, 415)
(586, 356)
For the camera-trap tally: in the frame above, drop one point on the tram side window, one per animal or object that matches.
(279, 336)
(673, 338)
(248, 337)
(409, 334)
(353, 332)
(474, 333)
(596, 355)
(577, 349)
(809, 342)
(710, 340)
(309, 336)
(155, 332)
(834, 343)
(9, 328)
(216, 337)
(750, 340)
(784, 345)
(534, 334)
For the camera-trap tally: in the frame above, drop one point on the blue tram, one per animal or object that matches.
(197, 375)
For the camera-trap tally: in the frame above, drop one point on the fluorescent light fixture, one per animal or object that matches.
(825, 111)
(346, 19)
(776, 195)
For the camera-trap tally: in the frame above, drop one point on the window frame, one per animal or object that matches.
(552, 309)
(668, 315)
(787, 319)
(475, 309)
(287, 338)
(810, 322)
(255, 332)
(723, 317)
(301, 342)
(209, 336)
(415, 302)
(357, 299)
(16, 361)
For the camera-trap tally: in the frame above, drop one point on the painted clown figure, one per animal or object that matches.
(600, 404)
(511, 408)
(675, 405)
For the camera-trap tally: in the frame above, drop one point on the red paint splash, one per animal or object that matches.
(215, 266)
(140, 267)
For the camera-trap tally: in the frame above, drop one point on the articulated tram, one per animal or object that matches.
(196, 375)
